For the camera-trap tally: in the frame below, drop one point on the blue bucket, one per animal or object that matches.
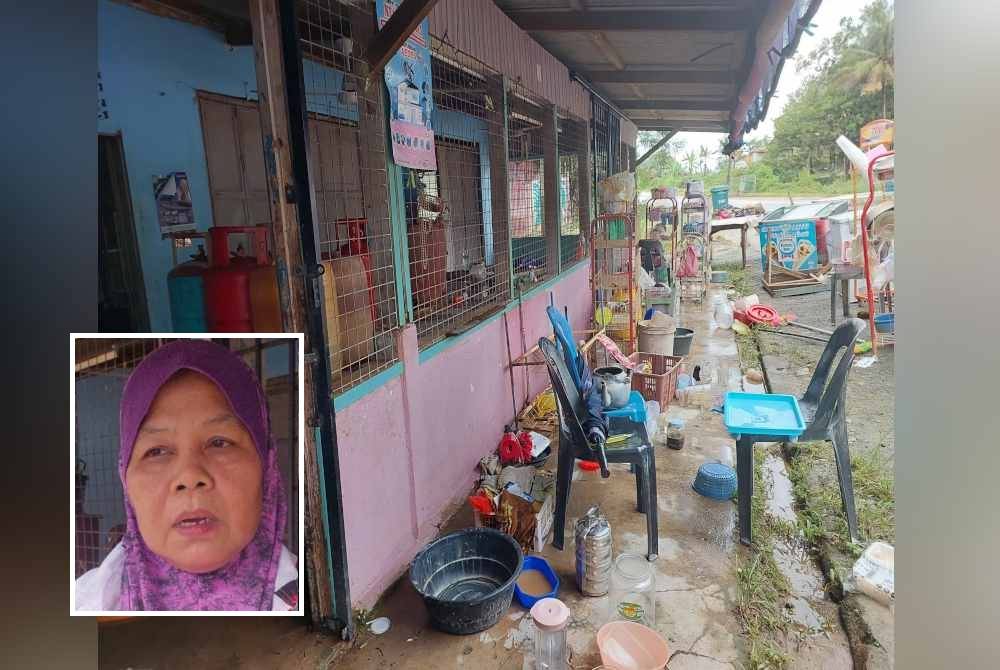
(540, 564)
(885, 323)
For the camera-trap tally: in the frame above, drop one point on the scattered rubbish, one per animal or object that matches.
(862, 347)
(873, 573)
(380, 625)
(537, 581)
(551, 617)
(633, 590)
(409, 639)
(593, 553)
(715, 480)
(470, 593)
(865, 362)
(722, 312)
(625, 645)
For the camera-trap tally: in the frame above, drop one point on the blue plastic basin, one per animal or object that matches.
(763, 414)
(540, 564)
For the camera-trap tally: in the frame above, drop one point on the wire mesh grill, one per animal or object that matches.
(350, 189)
(574, 197)
(526, 175)
(456, 223)
(102, 366)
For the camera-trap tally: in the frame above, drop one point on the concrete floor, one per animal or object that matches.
(696, 568)
(696, 582)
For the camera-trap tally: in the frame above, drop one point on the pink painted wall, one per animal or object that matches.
(409, 450)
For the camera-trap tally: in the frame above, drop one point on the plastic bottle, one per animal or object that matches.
(551, 616)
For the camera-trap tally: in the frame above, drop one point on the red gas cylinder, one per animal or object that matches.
(241, 291)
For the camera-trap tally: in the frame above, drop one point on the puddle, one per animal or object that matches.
(780, 501)
(792, 558)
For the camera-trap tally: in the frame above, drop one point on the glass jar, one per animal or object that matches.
(551, 616)
(633, 590)
(675, 434)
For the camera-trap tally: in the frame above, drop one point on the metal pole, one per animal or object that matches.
(510, 369)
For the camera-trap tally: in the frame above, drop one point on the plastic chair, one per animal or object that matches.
(573, 444)
(823, 408)
(636, 407)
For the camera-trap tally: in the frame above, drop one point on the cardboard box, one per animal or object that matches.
(791, 243)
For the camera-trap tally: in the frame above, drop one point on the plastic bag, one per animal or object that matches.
(884, 272)
(873, 573)
(617, 187)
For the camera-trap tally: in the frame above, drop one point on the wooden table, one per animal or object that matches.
(843, 274)
(741, 223)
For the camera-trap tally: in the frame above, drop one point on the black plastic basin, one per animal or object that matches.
(466, 578)
(682, 341)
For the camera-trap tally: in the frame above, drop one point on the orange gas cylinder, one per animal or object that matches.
(241, 291)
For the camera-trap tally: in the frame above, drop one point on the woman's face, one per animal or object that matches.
(194, 477)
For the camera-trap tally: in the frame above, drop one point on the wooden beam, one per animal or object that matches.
(236, 30)
(659, 76)
(715, 105)
(656, 147)
(604, 46)
(647, 20)
(274, 119)
(395, 32)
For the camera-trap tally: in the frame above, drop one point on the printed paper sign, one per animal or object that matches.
(408, 78)
(173, 202)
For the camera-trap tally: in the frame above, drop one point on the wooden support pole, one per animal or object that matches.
(499, 187)
(585, 186)
(550, 163)
(282, 117)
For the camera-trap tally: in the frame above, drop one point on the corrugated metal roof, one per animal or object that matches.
(662, 55)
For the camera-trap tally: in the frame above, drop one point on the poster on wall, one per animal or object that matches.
(408, 78)
(173, 202)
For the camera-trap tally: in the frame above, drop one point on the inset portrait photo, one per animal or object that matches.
(186, 458)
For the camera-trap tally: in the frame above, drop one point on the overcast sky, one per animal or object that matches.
(827, 22)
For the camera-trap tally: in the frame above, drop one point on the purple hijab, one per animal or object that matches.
(149, 582)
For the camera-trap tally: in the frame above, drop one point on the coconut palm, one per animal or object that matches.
(690, 158)
(869, 64)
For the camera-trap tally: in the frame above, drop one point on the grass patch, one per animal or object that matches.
(813, 471)
(761, 586)
(739, 277)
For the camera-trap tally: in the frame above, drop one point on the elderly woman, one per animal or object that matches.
(204, 501)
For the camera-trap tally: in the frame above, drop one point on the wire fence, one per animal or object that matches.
(574, 196)
(526, 127)
(102, 366)
(350, 190)
(456, 224)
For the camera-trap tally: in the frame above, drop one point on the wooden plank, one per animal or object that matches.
(712, 105)
(612, 244)
(648, 20)
(395, 32)
(632, 76)
(288, 255)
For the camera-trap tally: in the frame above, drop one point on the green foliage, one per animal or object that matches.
(849, 83)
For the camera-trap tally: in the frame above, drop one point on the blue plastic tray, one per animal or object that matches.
(540, 564)
(763, 414)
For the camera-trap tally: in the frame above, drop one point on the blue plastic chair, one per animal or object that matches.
(635, 410)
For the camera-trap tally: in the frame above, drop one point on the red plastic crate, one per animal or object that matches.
(661, 384)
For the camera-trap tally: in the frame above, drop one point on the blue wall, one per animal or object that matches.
(151, 69)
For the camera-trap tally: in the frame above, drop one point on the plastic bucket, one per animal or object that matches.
(682, 341)
(655, 340)
(720, 197)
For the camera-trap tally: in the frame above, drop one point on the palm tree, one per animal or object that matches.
(690, 158)
(703, 154)
(869, 64)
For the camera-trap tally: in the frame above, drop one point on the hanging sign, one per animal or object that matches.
(880, 131)
(408, 78)
(173, 202)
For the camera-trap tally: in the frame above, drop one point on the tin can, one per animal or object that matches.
(593, 553)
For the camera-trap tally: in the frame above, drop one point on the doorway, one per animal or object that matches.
(121, 292)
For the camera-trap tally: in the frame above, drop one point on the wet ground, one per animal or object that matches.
(695, 579)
